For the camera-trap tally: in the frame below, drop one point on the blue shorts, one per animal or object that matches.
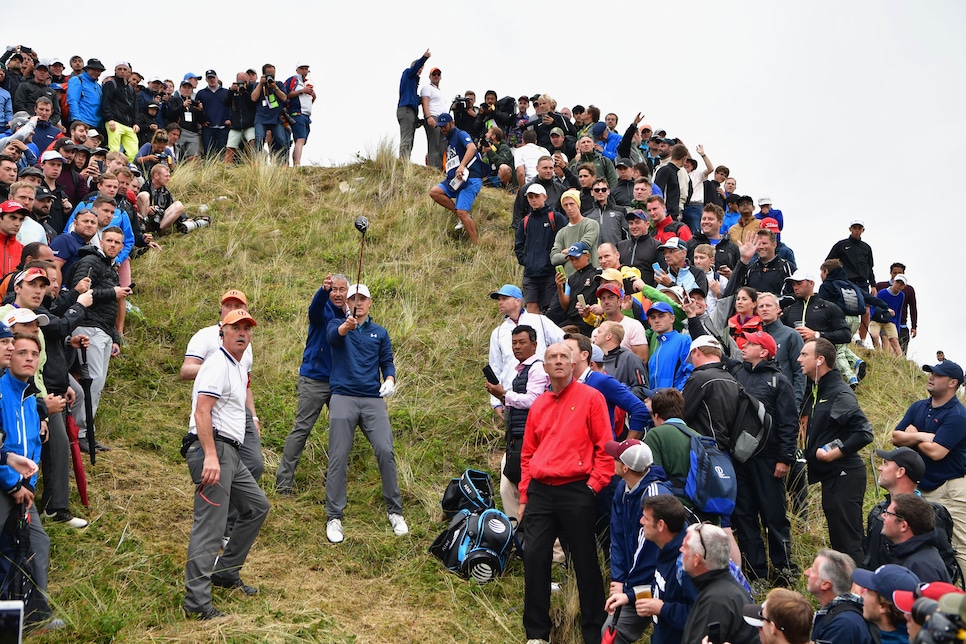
(465, 196)
(301, 125)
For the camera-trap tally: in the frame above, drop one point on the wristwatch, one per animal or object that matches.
(818, 334)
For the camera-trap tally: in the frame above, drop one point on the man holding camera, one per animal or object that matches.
(269, 98)
(189, 115)
(242, 117)
(155, 203)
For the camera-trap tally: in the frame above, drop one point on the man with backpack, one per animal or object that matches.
(899, 473)
(761, 479)
(815, 317)
(532, 244)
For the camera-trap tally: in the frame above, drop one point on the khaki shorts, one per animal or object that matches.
(235, 137)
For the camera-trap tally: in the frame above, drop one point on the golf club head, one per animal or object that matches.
(362, 224)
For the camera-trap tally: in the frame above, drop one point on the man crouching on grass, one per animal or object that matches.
(216, 431)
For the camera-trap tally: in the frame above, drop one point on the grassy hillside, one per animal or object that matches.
(276, 237)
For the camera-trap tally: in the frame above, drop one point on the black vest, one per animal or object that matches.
(516, 419)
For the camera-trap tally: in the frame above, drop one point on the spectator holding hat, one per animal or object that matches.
(936, 428)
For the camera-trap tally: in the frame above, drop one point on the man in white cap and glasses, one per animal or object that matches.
(632, 558)
(363, 374)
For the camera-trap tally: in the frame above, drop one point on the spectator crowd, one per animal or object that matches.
(654, 298)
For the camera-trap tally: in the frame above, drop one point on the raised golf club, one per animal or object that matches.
(362, 225)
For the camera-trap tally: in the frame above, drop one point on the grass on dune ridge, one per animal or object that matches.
(276, 237)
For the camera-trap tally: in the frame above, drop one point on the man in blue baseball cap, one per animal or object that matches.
(464, 174)
(877, 605)
(668, 363)
(936, 428)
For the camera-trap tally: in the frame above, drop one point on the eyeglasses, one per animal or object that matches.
(898, 517)
(201, 493)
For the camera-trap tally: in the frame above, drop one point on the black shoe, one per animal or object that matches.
(284, 491)
(85, 447)
(99, 447)
(234, 584)
(860, 368)
(211, 613)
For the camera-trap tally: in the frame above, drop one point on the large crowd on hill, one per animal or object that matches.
(654, 300)
(85, 161)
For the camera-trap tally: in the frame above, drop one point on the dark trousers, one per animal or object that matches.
(842, 498)
(565, 511)
(761, 497)
(904, 336)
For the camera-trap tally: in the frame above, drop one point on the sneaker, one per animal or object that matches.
(854, 383)
(224, 542)
(65, 517)
(554, 587)
(458, 226)
(233, 584)
(211, 613)
(333, 530)
(398, 524)
(860, 367)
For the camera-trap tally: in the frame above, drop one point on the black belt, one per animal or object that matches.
(224, 439)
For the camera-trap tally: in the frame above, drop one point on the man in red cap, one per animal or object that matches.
(782, 249)
(761, 480)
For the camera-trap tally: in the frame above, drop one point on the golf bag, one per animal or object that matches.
(473, 491)
(476, 545)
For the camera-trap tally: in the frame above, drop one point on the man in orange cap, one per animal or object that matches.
(216, 431)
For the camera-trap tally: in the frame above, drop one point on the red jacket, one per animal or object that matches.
(10, 254)
(564, 439)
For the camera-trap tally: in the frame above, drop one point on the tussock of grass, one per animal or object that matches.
(276, 237)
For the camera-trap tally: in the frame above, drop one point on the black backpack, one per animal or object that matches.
(849, 297)
(751, 427)
(476, 545)
(473, 491)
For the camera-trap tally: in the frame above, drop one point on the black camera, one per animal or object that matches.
(269, 79)
(938, 627)
(461, 102)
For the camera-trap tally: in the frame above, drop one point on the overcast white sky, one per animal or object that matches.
(834, 109)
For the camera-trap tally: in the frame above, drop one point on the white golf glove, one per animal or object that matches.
(387, 389)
